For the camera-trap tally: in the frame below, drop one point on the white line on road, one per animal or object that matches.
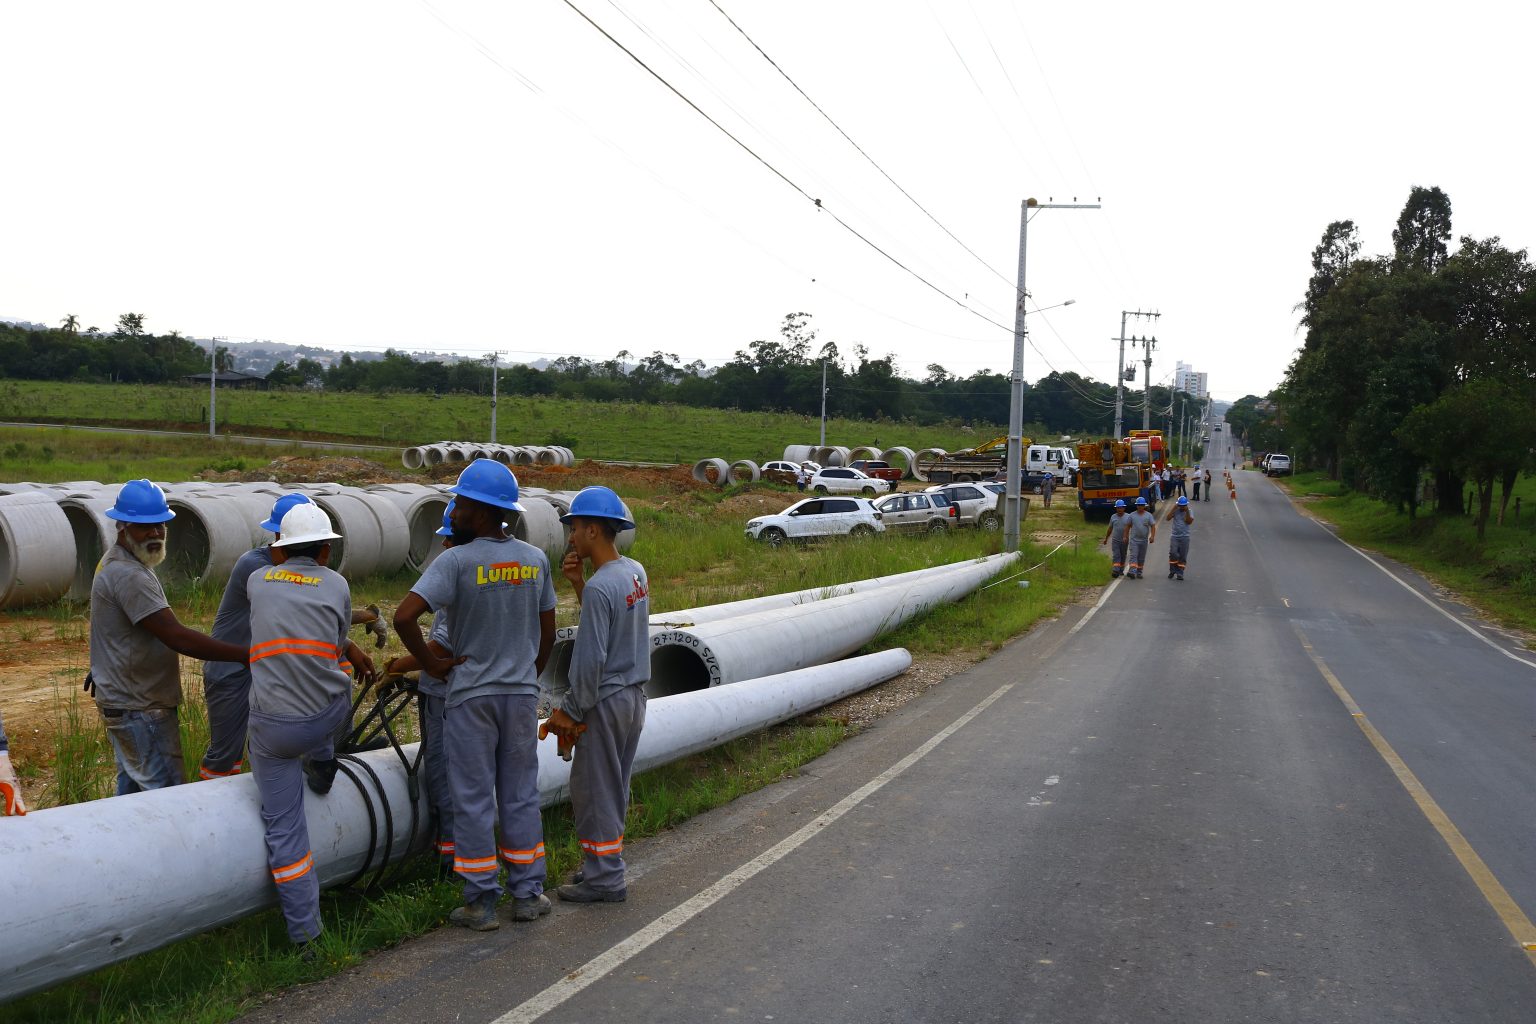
(616, 956)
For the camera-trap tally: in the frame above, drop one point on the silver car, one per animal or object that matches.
(914, 513)
(973, 506)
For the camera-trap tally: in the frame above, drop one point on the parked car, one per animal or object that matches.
(971, 505)
(1278, 465)
(846, 480)
(914, 513)
(818, 517)
(879, 470)
(781, 472)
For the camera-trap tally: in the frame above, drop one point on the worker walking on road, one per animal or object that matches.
(1115, 538)
(431, 694)
(135, 638)
(11, 800)
(300, 696)
(500, 602)
(605, 705)
(227, 686)
(1140, 530)
(1178, 540)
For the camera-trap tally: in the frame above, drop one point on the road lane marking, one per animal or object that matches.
(1092, 611)
(1493, 891)
(600, 966)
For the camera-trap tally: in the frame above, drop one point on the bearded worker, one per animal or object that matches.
(135, 638)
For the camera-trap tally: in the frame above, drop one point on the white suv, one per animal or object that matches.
(840, 480)
(914, 513)
(972, 504)
(818, 517)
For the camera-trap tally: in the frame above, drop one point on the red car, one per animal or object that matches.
(880, 471)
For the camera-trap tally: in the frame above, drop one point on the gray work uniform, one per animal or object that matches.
(493, 591)
(300, 614)
(1117, 542)
(431, 694)
(1140, 523)
(610, 664)
(137, 678)
(226, 684)
(1178, 543)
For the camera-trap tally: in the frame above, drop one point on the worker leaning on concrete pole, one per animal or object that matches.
(500, 601)
(135, 638)
(227, 687)
(300, 694)
(431, 693)
(604, 709)
(11, 800)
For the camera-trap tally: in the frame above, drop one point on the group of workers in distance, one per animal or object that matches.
(282, 667)
(1130, 533)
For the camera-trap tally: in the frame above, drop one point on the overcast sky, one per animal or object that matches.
(465, 176)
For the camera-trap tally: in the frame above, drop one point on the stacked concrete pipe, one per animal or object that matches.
(37, 551)
(919, 462)
(903, 458)
(427, 455)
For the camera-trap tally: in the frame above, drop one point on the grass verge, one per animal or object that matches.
(1496, 575)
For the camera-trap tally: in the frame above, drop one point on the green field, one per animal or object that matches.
(594, 430)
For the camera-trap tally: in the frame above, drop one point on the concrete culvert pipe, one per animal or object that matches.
(422, 521)
(502, 454)
(93, 534)
(357, 553)
(546, 456)
(210, 532)
(413, 458)
(567, 457)
(743, 471)
(798, 452)
(37, 550)
(924, 459)
(435, 453)
(711, 471)
(539, 524)
(394, 534)
(865, 452)
(522, 455)
(901, 457)
(455, 454)
(831, 455)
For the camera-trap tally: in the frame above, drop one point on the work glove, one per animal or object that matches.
(566, 729)
(378, 627)
(10, 789)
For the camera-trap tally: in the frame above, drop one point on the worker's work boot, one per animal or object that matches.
(479, 914)
(581, 892)
(531, 908)
(319, 775)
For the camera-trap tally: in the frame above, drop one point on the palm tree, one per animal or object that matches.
(71, 324)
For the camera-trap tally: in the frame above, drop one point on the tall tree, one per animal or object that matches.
(1423, 230)
(1331, 260)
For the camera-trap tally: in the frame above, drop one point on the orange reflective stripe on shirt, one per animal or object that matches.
(523, 856)
(298, 869)
(293, 645)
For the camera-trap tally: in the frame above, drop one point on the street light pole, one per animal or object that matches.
(213, 384)
(1012, 506)
(494, 358)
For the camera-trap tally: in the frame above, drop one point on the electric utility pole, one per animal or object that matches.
(213, 384)
(1146, 404)
(1120, 369)
(823, 403)
(1012, 506)
(494, 358)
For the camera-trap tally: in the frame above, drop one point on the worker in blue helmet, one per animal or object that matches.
(1140, 531)
(500, 599)
(1115, 538)
(135, 676)
(603, 711)
(431, 693)
(227, 686)
(1178, 540)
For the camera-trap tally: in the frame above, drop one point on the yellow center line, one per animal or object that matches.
(1493, 891)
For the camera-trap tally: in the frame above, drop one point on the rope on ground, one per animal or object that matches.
(1032, 568)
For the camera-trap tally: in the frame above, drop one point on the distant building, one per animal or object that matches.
(229, 379)
(1187, 380)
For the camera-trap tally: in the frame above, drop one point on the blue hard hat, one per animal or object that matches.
(598, 502)
(1119, 503)
(140, 502)
(489, 482)
(1141, 501)
(280, 508)
(446, 530)
(1183, 500)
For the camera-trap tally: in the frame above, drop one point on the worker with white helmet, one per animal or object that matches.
(500, 601)
(300, 695)
(227, 687)
(604, 709)
(135, 637)
(431, 694)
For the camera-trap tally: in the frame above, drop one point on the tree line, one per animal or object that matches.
(1417, 374)
(777, 374)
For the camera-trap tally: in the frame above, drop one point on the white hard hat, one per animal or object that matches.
(304, 524)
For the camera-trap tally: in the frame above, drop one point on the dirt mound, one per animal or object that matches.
(289, 469)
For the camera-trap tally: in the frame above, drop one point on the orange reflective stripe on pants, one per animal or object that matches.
(477, 866)
(603, 849)
(298, 869)
(523, 856)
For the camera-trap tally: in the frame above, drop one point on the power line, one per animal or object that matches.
(1003, 277)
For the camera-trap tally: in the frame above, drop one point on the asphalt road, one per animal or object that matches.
(1235, 798)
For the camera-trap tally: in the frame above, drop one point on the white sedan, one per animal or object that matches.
(839, 480)
(817, 517)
